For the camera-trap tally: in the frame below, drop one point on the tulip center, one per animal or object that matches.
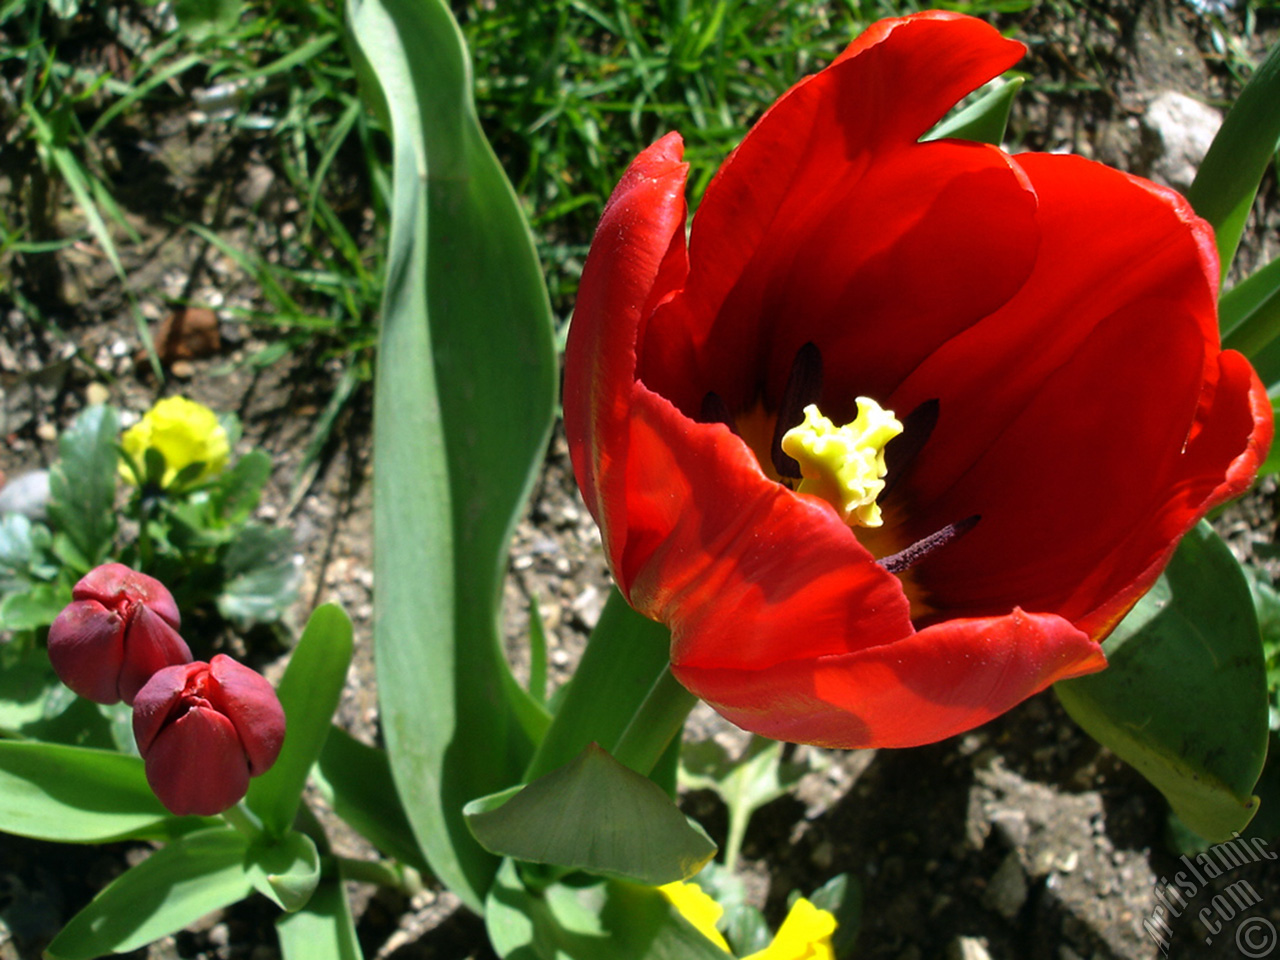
(844, 465)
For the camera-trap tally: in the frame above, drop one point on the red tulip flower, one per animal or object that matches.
(119, 629)
(905, 428)
(204, 729)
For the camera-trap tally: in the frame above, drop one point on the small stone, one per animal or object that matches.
(47, 432)
(968, 948)
(1007, 891)
(95, 394)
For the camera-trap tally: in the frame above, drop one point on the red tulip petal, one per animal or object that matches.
(1240, 420)
(150, 644)
(158, 698)
(86, 648)
(114, 584)
(250, 702)
(830, 220)
(637, 254)
(1070, 451)
(941, 681)
(744, 572)
(196, 765)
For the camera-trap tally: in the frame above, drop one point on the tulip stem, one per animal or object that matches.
(244, 820)
(383, 873)
(659, 720)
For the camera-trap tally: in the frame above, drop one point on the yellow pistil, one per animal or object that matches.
(844, 465)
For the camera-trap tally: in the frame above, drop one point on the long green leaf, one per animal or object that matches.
(309, 692)
(984, 120)
(323, 930)
(1227, 180)
(625, 656)
(175, 886)
(75, 794)
(1250, 314)
(356, 780)
(463, 402)
(1184, 699)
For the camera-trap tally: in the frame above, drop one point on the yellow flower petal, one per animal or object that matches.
(804, 935)
(698, 908)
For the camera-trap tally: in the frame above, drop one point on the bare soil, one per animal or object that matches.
(1023, 839)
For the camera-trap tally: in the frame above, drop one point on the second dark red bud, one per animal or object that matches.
(204, 729)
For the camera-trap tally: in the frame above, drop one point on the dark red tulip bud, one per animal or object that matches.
(204, 729)
(119, 629)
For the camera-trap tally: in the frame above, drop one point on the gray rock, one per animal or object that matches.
(1177, 132)
(27, 494)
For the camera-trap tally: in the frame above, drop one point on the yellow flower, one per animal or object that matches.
(805, 934)
(184, 432)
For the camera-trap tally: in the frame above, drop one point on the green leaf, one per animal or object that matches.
(309, 691)
(323, 929)
(175, 886)
(82, 488)
(596, 815)
(984, 120)
(746, 929)
(285, 870)
(240, 488)
(1266, 360)
(1249, 312)
(1272, 463)
(743, 925)
(74, 721)
(601, 920)
(26, 682)
(537, 654)
(261, 576)
(1184, 699)
(21, 546)
(1227, 181)
(154, 466)
(34, 608)
(841, 896)
(626, 654)
(463, 405)
(199, 19)
(356, 780)
(75, 794)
